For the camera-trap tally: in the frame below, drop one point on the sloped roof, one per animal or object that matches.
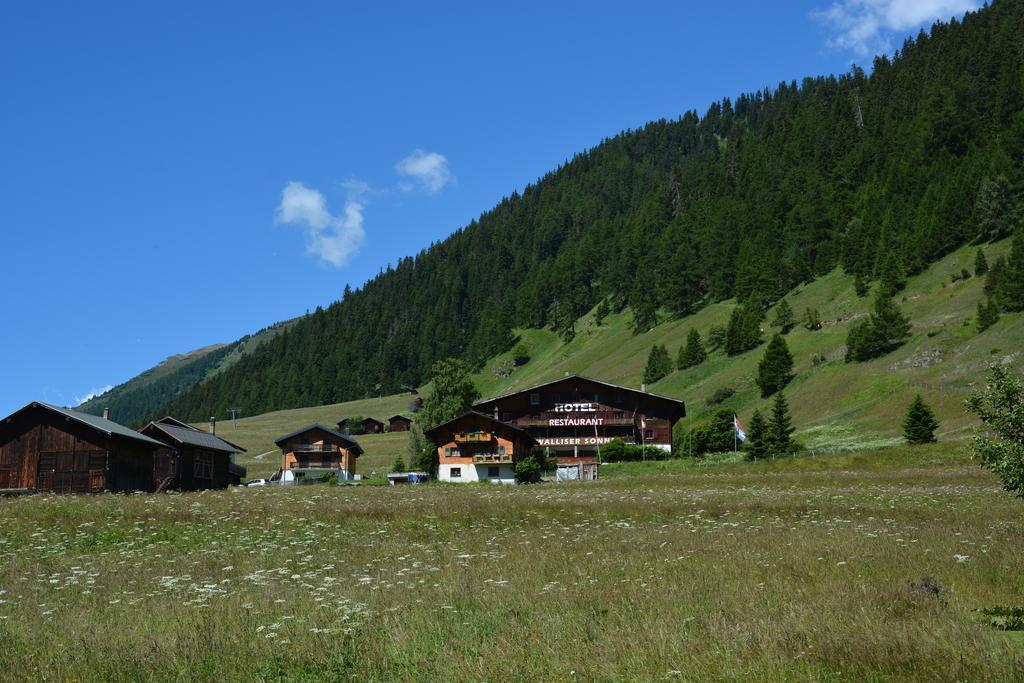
(196, 437)
(571, 378)
(370, 419)
(98, 423)
(316, 425)
(404, 417)
(498, 424)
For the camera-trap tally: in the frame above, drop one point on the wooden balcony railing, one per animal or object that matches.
(316, 448)
(492, 457)
(473, 437)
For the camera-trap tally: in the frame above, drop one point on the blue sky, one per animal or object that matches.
(177, 174)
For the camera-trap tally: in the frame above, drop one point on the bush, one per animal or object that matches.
(721, 395)
(528, 470)
(521, 354)
(617, 450)
(885, 330)
(716, 337)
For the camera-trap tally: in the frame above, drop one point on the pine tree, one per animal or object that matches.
(885, 330)
(693, 353)
(603, 309)
(1011, 280)
(993, 279)
(893, 276)
(658, 364)
(776, 367)
(812, 319)
(784, 317)
(758, 437)
(861, 285)
(734, 333)
(920, 424)
(780, 429)
(980, 263)
(399, 464)
(988, 314)
(994, 208)
(645, 315)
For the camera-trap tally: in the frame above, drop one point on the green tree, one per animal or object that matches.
(780, 429)
(645, 315)
(658, 364)
(521, 354)
(784, 317)
(693, 353)
(893, 276)
(776, 367)
(920, 424)
(758, 437)
(993, 279)
(716, 337)
(1000, 405)
(603, 309)
(980, 263)
(399, 464)
(454, 392)
(994, 208)
(861, 285)
(744, 330)
(885, 329)
(1011, 280)
(528, 470)
(988, 314)
(423, 454)
(812, 320)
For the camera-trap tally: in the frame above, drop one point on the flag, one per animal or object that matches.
(741, 433)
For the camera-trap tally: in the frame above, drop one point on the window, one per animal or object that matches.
(597, 397)
(501, 450)
(506, 417)
(493, 472)
(648, 434)
(535, 399)
(456, 472)
(202, 466)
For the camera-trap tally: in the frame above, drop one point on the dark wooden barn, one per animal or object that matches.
(372, 425)
(399, 423)
(47, 448)
(205, 461)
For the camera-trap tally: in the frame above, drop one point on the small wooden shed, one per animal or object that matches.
(399, 423)
(372, 425)
(205, 461)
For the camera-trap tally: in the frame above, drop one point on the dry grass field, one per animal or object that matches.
(796, 569)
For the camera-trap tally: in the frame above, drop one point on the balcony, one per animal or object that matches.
(473, 437)
(316, 448)
(492, 458)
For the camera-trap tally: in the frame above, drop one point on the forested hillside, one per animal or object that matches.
(878, 173)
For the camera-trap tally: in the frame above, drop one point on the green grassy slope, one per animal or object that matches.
(256, 434)
(835, 404)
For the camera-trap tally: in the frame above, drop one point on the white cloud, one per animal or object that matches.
(428, 170)
(867, 26)
(333, 239)
(79, 400)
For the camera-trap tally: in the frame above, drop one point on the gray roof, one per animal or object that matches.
(569, 378)
(99, 423)
(317, 425)
(195, 437)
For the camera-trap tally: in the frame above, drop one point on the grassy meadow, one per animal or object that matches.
(791, 569)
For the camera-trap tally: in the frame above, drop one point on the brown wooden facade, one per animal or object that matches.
(317, 447)
(205, 461)
(372, 425)
(399, 423)
(573, 416)
(476, 447)
(46, 448)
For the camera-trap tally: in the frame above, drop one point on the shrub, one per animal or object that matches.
(812, 320)
(885, 329)
(721, 395)
(520, 354)
(527, 470)
(716, 337)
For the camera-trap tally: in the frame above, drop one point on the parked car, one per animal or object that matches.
(257, 482)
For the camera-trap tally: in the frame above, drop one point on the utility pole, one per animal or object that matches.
(234, 414)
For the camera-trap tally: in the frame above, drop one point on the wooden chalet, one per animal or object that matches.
(205, 461)
(372, 425)
(476, 447)
(399, 423)
(317, 448)
(47, 448)
(573, 416)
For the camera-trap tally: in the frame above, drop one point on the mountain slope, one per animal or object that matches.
(145, 395)
(873, 173)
